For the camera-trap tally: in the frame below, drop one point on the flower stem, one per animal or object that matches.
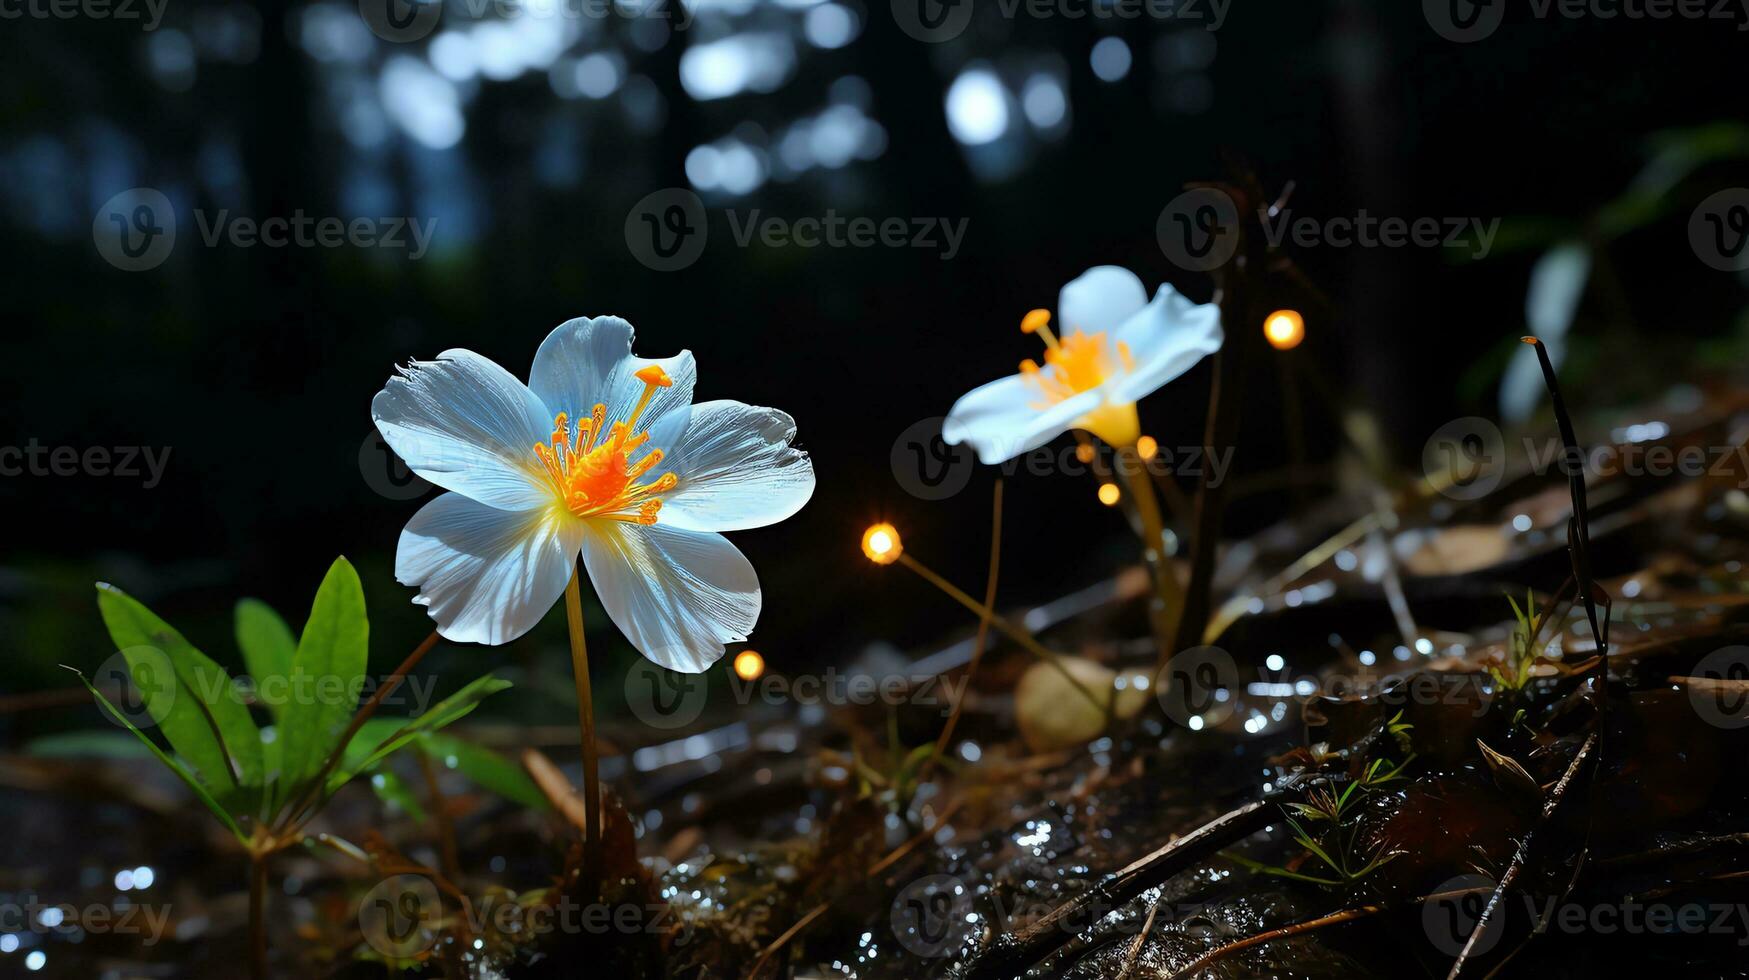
(1168, 600)
(1012, 631)
(258, 915)
(592, 863)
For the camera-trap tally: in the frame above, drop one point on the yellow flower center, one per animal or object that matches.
(600, 479)
(1078, 363)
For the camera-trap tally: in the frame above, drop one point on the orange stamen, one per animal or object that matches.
(600, 479)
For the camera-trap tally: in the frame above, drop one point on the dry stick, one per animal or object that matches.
(1579, 530)
(315, 789)
(1012, 631)
(1310, 925)
(1135, 953)
(1012, 954)
(1222, 426)
(1550, 803)
(592, 862)
(941, 743)
(874, 870)
(452, 865)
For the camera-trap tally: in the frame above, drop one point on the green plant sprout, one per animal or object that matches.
(1336, 843)
(1513, 674)
(266, 784)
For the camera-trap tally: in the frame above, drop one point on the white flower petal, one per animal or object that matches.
(1009, 416)
(1165, 340)
(678, 596)
(486, 575)
(1100, 299)
(466, 424)
(736, 470)
(588, 361)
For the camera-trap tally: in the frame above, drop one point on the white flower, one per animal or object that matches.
(601, 453)
(1119, 348)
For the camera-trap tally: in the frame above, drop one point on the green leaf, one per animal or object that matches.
(201, 714)
(327, 673)
(487, 768)
(445, 712)
(391, 788)
(268, 647)
(176, 767)
(87, 745)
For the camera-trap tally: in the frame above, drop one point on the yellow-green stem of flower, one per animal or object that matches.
(1168, 601)
(1012, 631)
(586, 722)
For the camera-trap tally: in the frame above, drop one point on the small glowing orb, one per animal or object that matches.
(1085, 452)
(881, 544)
(1147, 446)
(749, 665)
(1109, 494)
(1285, 329)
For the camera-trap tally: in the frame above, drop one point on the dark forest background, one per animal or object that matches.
(256, 366)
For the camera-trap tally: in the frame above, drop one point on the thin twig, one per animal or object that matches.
(1309, 925)
(1129, 961)
(1551, 802)
(1009, 629)
(941, 743)
(879, 866)
(1011, 954)
(316, 789)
